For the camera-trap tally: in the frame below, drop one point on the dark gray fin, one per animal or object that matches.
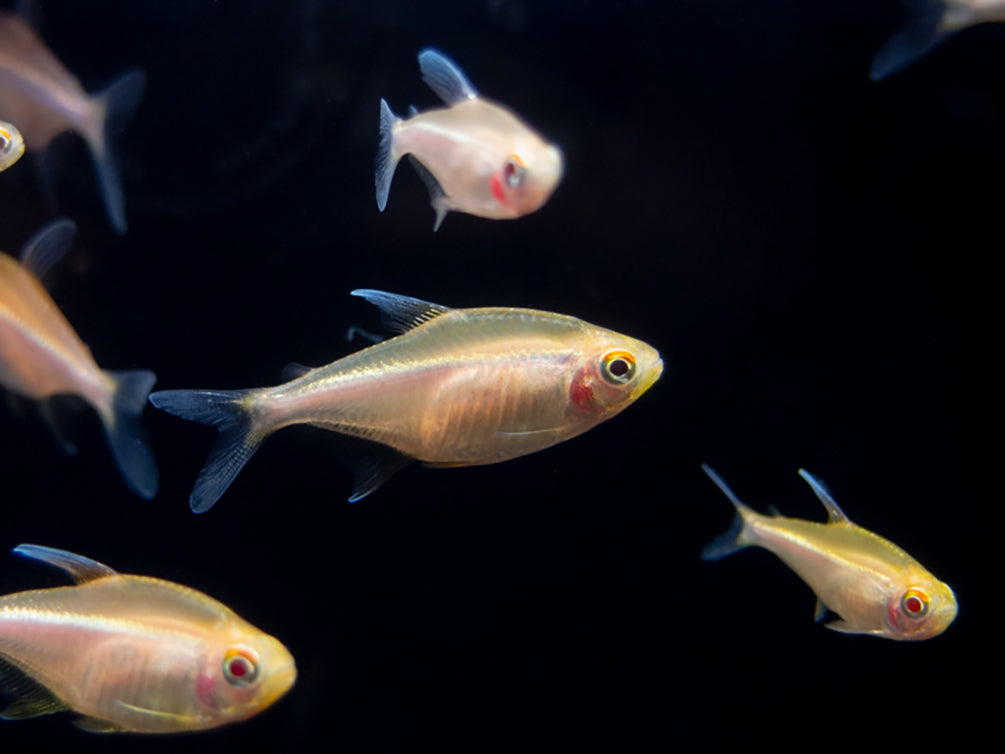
(293, 370)
(412, 111)
(371, 463)
(26, 697)
(445, 77)
(238, 440)
(94, 725)
(820, 611)
(401, 313)
(386, 159)
(79, 568)
(437, 196)
(48, 245)
(126, 434)
(119, 99)
(834, 514)
(352, 332)
(921, 34)
(730, 540)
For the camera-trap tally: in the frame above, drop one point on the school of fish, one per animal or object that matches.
(454, 387)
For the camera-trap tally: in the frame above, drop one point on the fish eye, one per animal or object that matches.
(514, 171)
(914, 603)
(240, 666)
(618, 367)
(5, 140)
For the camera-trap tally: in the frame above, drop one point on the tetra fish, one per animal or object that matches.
(11, 145)
(44, 100)
(42, 356)
(459, 387)
(475, 156)
(133, 653)
(874, 586)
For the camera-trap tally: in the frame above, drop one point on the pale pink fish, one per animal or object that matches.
(929, 24)
(874, 586)
(44, 99)
(41, 356)
(459, 387)
(475, 156)
(133, 653)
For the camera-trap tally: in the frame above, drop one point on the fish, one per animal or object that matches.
(874, 586)
(133, 653)
(475, 156)
(42, 356)
(44, 99)
(11, 145)
(456, 387)
(929, 24)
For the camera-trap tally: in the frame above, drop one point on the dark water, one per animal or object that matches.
(812, 253)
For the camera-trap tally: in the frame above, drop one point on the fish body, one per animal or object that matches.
(41, 356)
(475, 156)
(929, 24)
(11, 145)
(872, 584)
(133, 653)
(460, 387)
(44, 100)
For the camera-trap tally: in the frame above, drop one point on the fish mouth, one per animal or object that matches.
(280, 682)
(652, 374)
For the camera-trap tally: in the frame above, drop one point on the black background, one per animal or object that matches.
(812, 253)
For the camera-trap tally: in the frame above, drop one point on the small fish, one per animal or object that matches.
(929, 24)
(42, 356)
(874, 586)
(459, 387)
(474, 156)
(133, 653)
(45, 99)
(11, 145)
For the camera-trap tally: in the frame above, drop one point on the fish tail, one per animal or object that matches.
(734, 538)
(387, 160)
(239, 438)
(921, 33)
(118, 100)
(126, 435)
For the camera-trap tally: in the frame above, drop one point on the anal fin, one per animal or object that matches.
(26, 697)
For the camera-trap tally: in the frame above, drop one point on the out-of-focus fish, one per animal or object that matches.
(133, 653)
(45, 99)
(874, 586)
(474, 156)
(11, 145)
(929, 24)
(42, 356)
(460, 387)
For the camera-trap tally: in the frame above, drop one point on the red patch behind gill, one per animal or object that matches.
(205, 685)
(581, 392)
(497, 189)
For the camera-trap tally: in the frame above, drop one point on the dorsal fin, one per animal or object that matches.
(401, 313)
(48, 245)
(445, 77)
(293, 370)
(80, 568)
(834, 513)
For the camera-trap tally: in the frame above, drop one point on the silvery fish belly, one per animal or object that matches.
(133, 653)
(459, 387)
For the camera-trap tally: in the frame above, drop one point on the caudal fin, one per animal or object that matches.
(921, 33)
(387, 161)
(238, 440)
(125, 432)
(118, 100)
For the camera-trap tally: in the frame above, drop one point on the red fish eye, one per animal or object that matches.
(618, 367)
(914, 603)
(240, 666)
(513, 171)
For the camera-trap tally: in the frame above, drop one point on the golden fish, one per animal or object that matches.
(42, 356)
(133, 653)
(474, 156)
(11, 145)
(460, 387)
(929, 24)
(45, 99)
(876, 588)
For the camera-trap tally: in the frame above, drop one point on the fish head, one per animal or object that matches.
(11, 145)
(920, 607)
(243, 676)
(527, 177)
(613, 370)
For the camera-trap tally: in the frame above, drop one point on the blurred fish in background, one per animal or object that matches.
(44, 100)
(42, 356)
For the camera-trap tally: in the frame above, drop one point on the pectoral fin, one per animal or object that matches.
(94, 725)
(844, 627)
